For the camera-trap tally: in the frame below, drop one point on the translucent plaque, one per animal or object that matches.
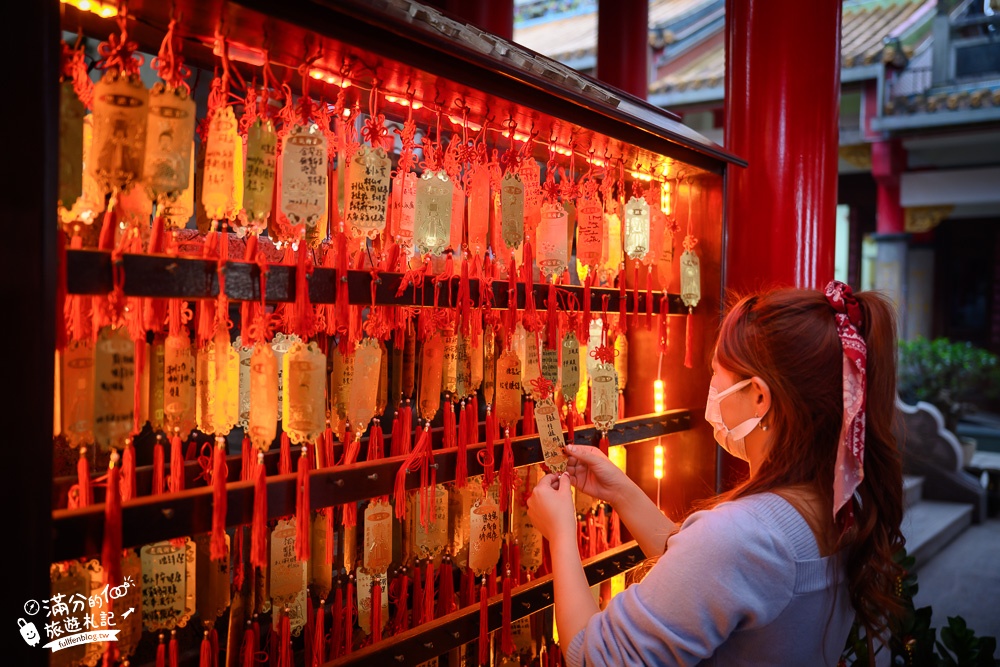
(281, 344)
(304, 415)
(636, 228)
(382, 397)
(77, 375)
(178, 385)
(489, 364)
(170, 140)
(429, 541)
(119, 120)
(432, 221)
(114, 387)
(531, 369)
(341, 378)
(258, 177)
(550, 434)
(485, 528)
(71, 111)
(476, 364)
(205, 387)
(71, 581)
(431, 370)
(583, 392)
(657, 232)
(595, 340)
(226, 394)
(690, 279)
(91, 201)
(350, 547)
(508, 389)
(552, 253)
(369, 192)
(512, 210)
(288, 574)
(409, 363)
(364, 391)
(531, 178)
(528, 536)
(244, 354)
(366, 581)
(262, 421)
(406, 203)
(213, 594)
(459, 507)
(604, 397)
(463, 369)
(479, 209)
(320, 572)
(179, 209)
(456, 230)
(155, 369)
(570, 367)
(378, 537)
(550, 366)
(168, 584)
(449, 381)
(621, 361)
(218, 175)
(304, 188)
(613, 246)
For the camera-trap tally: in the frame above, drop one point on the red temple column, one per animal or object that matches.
(623, 45)
(494, 16)
(782, 106)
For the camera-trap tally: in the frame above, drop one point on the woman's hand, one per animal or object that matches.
(594, 474)
(551, 508)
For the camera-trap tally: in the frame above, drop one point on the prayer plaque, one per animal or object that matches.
(368, 194)
(262, 420)
(114, 387)
(636, 228)
(259, 175)
(550, 434)
(170, 140)
(304, 415)
(432, 221)
(168, 584)
(508, 389)
(570, 368)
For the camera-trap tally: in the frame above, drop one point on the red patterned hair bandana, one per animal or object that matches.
(849, 469)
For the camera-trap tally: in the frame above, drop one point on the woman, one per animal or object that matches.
(774, 571)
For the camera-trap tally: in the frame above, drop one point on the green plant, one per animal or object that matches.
(954, 376)
(913, 641)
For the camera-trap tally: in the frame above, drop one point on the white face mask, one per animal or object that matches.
(730, 440)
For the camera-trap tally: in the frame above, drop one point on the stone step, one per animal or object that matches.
(929, 525)
(913, 489)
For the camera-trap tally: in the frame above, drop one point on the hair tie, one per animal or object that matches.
(849, 469)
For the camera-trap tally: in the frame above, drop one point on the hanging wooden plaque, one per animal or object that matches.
(155, 369)
(508, 392)
(531, 178)
(485, 526)
(594, 341)
(636, 228)
(169, 584)
(449, 381)
(281, 344)
(489, 364)
(71, 581)
(378, 537)
(170, 136)
(552, 251)
(119, 107)
(114, 387)
(530, 370)
(550, 434)
(244, 353)
(665, 261)
(432, 214)
(589, 232)
(456, 232)
(226, 392)
(583, 392)
(621, 360)
(368, 196)
(431, 370)
(259, 175)
(690, 279)
(409, 363)
(220, 164)
(304, 415)
(178, 386)
(613, 245)
(288, 574)
(604, 397)
(77, 375)
(528, 536)
(430, 540)
(479, 209)
(91, 200)
(262, 419)
(406, 213)
(178, 209)
(321, 572)
(570, 367)
(463, 369)
(212, 580)
(365, 582)
(550, 366)
(304, 188)
(382, 395)
(512, 210)
(459, 506)
(341, 378)
(364, 391)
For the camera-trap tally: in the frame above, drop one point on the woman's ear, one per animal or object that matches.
(761, 396)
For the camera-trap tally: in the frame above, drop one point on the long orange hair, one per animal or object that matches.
(788, 338)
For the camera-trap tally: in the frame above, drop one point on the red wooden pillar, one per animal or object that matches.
(493, 16)
(782, 106)
(623, 45)
(888, 164)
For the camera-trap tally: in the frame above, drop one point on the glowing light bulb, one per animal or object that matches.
(84, 5)
(658, 402)
(107, 12)
(316, 74)
(658, 462)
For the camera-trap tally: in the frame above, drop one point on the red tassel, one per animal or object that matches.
(285, 641)
(506, 634)
(111, 552)
(307, 632)
(349, 618)
(585, 320)
(305, 324)
(465, 302)
(473, 420)
(258, 530)
(158, 476)
(213, 637)
(302, 508)
(467, 587)
(571, 422)
(285, 455)
(489, 449)
(649, 299)
(581, 538)
(192, 451)
(328, 516)
(552, 330)
(128, 472)
(218, 544)
(418, 593)
(449, 425)
(528, 421)
(515, 561)
(506, 472)
(530, 316)
(635, 294)
(688, 338)
(616, 530)
(161, 653)
(85, 489)
(172, 652)
(484, 625)
(342, 300)
(106, 241)
(429, 591)
(401, 621)
(622, 301)
(664, 333)
(376, 616)
(205, 657)
(248, 650)
(446, 589)
(603, 444)
(491, 581)
(602, 530)
(621, 405)
(273, 640)
(461, 460)
(336, 623)
(592, 547)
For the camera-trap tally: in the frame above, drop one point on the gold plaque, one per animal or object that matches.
(304, 415)
(432, 220)
(170, 140)
(512, 210)
(431, 371)
(220, 164)
(378, 537)
(485, 524)
(262, 417)
(258, 177)
(508, 392)
(168, 584)
(550, 434)
(368, 193)
(114, 387)
(77, 370)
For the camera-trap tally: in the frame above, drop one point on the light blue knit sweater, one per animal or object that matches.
(740, 584)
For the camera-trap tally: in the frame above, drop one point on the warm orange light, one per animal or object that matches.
(658, 400)
(658, 462)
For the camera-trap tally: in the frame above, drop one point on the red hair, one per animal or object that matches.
(788, 337)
